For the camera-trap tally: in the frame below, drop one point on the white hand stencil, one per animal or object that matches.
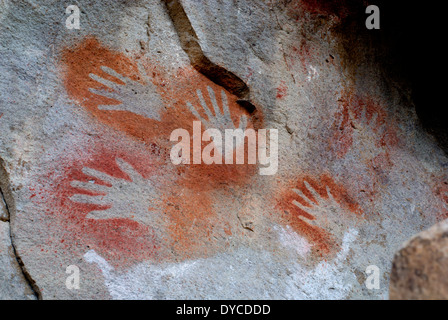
(126, 199)
(135, 97)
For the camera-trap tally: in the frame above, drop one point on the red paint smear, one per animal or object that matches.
(120, 241)
(186, 198)
(300, 56)
(304, 53)
(352, 105)
(282, 90)
(323, 242)
(339, 9)
(440, 190)
(191, 217)
(176, 91)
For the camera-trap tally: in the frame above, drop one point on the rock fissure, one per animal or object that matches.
(190, 44)
(32, 284)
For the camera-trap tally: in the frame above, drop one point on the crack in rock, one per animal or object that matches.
(6, 198)
(190, 44)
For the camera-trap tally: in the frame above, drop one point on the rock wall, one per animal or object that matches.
(419, 267)
(13, 284)
(86, 117)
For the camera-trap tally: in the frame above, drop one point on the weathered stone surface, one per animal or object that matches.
(13, 285)
(3, 211)
(86, 124)
(420, 267)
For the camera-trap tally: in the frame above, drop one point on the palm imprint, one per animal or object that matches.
(133, 199)
(327, 212)
(220, 120)
(139, 98)
(366, 135)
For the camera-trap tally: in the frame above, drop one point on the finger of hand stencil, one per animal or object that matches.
(211, 93)
(115, 74)
(128, 169)
(352, 115)
(92, 187)
(315, 194)
(304, 197)
(84, 198)
(143, 73)
(301, 207)
(111, 107)
(108, 94)
(363, 115)
(243, 123)
(107, 83)
(195, 112)
(225, 105)
(373, 120)
(99, 175)
(330, 196)
(314, 222)
(340, 116)
(100, 214)
(204, 105)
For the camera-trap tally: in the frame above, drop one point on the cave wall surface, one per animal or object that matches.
(85, 122)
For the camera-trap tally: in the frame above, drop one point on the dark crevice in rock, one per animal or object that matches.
(409, 34)
(190, 44)
(6, 195)
(36, 291)
(246, 224)
(4, 188)
(2, 198)
(407, 49)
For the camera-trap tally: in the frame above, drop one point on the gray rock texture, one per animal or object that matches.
(419, 269)
(86, 119)
(13, 285)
